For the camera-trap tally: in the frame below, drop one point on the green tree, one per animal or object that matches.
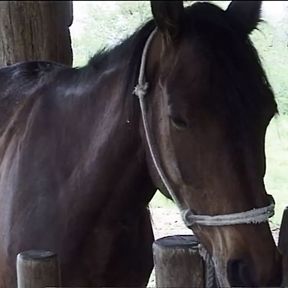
(105, 25)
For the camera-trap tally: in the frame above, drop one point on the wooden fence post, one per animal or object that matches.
(37, 269)
(283, 245)
(178, 262)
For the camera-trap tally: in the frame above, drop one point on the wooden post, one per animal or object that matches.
(177, 262)
(35, 30)
(283, 245)
(37, 269)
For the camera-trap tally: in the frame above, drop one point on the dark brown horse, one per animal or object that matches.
(76, 174)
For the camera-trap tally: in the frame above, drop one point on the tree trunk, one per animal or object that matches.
(35, 30)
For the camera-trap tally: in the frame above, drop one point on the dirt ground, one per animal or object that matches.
(167, 222)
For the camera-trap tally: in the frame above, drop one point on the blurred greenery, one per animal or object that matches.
(104, 24)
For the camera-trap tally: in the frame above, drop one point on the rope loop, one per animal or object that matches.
(209, 267)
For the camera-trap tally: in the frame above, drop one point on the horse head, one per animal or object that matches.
(208, 106)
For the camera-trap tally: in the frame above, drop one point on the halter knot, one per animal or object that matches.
(141, 89)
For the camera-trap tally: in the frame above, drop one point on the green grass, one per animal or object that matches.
(277, 160)
(160, 201)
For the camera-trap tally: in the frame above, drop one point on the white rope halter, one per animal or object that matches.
(253, 216)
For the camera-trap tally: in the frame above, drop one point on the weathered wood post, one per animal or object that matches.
(37, 269)
(178, 262)
(35, 30)
(283, 245)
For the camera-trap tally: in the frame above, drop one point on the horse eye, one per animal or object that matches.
(178, 123)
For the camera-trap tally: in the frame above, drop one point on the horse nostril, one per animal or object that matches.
(239, 274)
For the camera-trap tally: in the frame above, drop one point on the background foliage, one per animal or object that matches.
(102, 24)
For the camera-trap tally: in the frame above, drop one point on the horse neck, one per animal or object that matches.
(113, 163)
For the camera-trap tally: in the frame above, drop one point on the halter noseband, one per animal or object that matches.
(253, 216)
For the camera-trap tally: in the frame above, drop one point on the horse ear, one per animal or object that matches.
(167, 16)
(245, 13)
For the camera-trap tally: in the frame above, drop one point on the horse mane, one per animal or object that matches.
(133, 44)
(211, 25)
(130, 51)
